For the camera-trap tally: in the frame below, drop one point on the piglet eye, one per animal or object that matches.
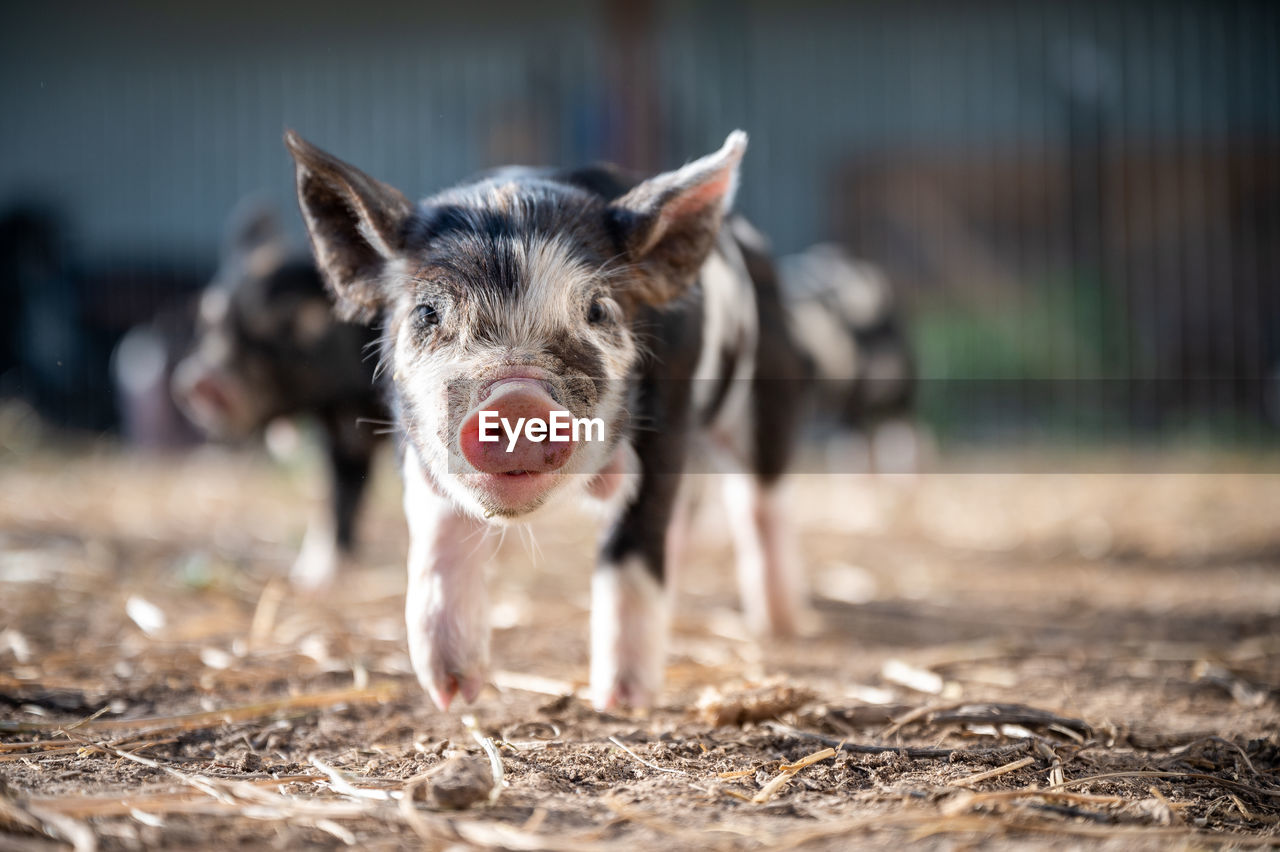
(425, 316)
(597, 313)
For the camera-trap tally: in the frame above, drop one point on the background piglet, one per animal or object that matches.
(267, 345)
(846, 318)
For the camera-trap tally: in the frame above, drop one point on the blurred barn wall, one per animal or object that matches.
(1065, 190)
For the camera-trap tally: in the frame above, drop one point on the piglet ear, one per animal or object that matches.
(669, 222)
(255, 242)
(253, 226)
(355, 223)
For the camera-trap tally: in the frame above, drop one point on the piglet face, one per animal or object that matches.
(511, 308)
(261, 327)
(492, 335)
(209, 385)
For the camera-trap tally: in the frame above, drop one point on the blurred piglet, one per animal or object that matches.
(267, 345)
(846, 318)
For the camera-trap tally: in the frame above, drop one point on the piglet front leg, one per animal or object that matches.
(318, 561)
(446, 605)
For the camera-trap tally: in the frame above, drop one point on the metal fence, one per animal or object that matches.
(1063, 190)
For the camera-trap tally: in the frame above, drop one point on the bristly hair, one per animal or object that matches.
(478, 232)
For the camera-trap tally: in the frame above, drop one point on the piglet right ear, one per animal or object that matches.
(355, 224)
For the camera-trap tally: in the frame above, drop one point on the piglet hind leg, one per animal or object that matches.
(771, 579)
(629, 622)
(631, 602)
(446, 604)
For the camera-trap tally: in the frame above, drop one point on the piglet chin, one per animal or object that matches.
(510, 494)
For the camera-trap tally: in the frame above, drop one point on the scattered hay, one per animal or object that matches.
(970, 780)
(738, 706)
(291, 705)
(787, 772)
(497, 777)
(642, 761)
(1141, 712)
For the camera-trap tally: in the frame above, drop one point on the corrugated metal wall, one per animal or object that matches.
(147, 121)
(990, 154)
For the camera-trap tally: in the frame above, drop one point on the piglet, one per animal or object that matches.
(268, 345)
(589, 297)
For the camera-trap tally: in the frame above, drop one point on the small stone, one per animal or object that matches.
(427, 747)
(460, 783)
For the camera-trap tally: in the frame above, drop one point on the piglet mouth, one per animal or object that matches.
(510, 494)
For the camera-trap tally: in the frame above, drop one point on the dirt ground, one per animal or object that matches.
(1007, 660)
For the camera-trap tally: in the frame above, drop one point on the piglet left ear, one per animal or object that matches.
(253, 225)
(670, 222)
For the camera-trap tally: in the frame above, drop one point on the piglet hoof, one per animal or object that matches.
(444, 681)
(316, 567)
(781, 621)
(450, 685)
(449, 663)
(630, 693)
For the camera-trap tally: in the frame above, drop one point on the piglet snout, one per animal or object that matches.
(518, 428)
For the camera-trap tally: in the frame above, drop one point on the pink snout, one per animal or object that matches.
(526, 431)
(214, 400)
(211, 392)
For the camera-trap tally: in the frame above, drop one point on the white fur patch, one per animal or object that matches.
(728, 323)
(864, 293)
(214, 304)
(554, 282)
(858, 291)
(265, 259)
(630, 612)
(677, 536)
(896, 447)
(747, 234)
(139, 361)
(827, 340)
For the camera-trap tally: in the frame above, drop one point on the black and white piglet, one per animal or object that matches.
(846, 318)
(530, 292)
(268, 345)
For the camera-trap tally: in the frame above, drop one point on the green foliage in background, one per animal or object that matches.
(1053, 363)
